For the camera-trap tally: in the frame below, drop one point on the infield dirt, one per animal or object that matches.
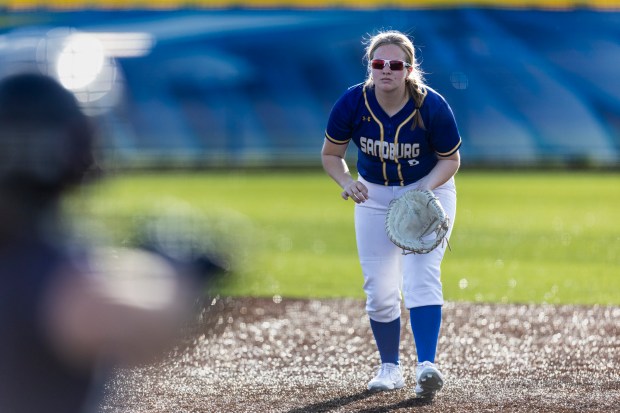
(294, 356)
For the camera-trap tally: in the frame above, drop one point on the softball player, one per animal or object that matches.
(407, 138)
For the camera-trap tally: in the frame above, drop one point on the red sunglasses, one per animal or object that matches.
(393, 64)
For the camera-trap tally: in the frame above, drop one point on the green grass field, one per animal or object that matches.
(527, 237)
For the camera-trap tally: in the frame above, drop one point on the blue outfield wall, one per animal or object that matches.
(255, 87)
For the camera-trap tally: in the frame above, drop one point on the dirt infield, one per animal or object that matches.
(294, 356)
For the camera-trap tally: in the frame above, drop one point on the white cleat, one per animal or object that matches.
(429, 380)
(389, 377)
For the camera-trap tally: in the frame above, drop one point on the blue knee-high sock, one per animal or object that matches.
(425, 323)
(387, 336)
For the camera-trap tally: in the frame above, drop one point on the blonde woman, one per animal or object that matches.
(406, 137)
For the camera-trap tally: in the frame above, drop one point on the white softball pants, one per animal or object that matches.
(390, 276)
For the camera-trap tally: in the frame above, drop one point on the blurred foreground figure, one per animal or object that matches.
(65, 313)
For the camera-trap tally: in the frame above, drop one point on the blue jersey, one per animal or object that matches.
(390, 151)
(33, 377)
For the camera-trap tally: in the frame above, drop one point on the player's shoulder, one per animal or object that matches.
(433, 96)
(353, 93)
(350, 98)
(435, 102)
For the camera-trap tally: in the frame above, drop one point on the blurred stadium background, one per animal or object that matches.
(250, 83)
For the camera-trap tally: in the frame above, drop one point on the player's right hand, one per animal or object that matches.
(355, 190)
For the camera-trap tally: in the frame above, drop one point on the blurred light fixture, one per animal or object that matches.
(84, 62)
(125, 44)
(80, 61)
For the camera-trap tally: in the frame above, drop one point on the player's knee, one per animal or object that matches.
(383, 313)
(424, 296)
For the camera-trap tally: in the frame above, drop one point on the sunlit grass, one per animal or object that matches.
(536, 237)
(519, 236)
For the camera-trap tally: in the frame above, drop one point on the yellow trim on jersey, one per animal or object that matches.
(307, 4)
(384, 166)
(399, 167)
(336, 141)
(450, 152)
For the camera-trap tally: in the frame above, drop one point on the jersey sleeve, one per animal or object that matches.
(445, 136)
(340, 122)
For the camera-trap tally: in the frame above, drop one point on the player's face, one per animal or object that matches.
(388, 78)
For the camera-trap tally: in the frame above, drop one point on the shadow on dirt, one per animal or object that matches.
(337, 402)
(408, 403)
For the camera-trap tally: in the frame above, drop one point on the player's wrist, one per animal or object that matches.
(347, 182)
